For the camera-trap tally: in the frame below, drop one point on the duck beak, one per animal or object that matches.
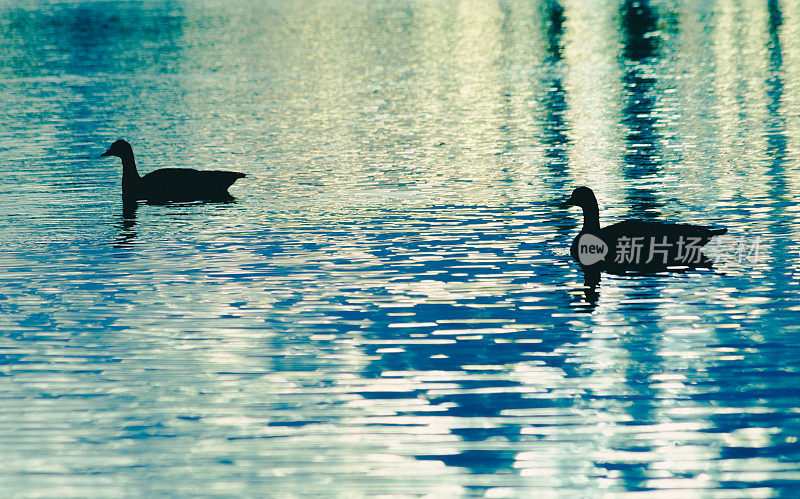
(566, 204)
(107, 153)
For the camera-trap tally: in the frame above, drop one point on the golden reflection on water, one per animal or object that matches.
(740, 46)
(594, 88)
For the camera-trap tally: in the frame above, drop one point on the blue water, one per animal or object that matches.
(390, 307)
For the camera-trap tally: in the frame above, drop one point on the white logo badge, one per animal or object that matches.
(591, 249)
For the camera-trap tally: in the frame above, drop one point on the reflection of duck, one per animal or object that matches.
(170, 184)
(635, 245)
(127, 226)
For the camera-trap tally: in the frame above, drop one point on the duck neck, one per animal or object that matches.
(130, 177)
(591, 217)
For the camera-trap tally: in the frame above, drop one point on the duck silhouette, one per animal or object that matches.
(635, 245)
(170, 184)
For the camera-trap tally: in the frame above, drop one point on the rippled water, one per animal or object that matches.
(390, 306)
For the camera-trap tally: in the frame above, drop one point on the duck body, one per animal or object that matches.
(171, 184)
(636, 245)
(183, 184)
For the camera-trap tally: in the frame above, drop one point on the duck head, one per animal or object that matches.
(585, 199)
(581, 196)
(120, 149)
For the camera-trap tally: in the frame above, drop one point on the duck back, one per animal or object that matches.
(186, 184)
(661, 229)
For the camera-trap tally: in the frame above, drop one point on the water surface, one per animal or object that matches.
(389, 307)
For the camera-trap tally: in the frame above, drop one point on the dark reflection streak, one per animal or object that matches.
(555, 131)
(776, 126)
(642, 156)
(555, 29)
(642, 159)
(507, 45)
(555, 104)
(776, 142)
(553, 123)
(555, 136)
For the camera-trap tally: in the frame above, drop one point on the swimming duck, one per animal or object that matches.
(170, 184)
(636, 245)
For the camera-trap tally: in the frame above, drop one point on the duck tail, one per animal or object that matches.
(718, 232)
